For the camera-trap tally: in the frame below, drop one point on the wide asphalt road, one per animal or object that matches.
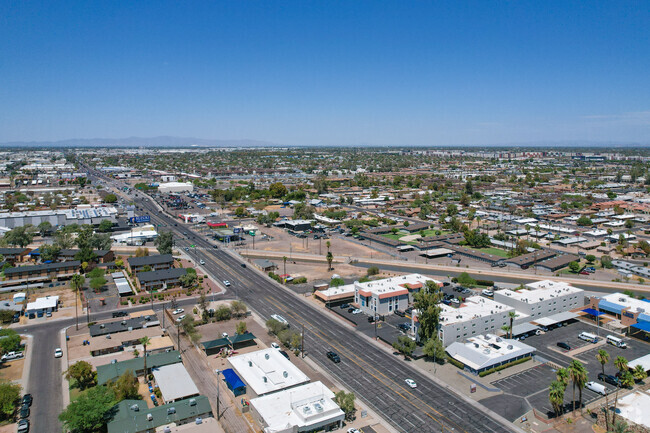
(374, 375)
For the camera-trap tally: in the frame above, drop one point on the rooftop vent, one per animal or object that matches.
(264, 379)
(266, 356)
(171, 410)
(250, 363)
(149, 417)
(192, 402)
(285, 374)
(135, 408)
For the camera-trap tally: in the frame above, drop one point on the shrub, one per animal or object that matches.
(485, 283)
(456, 363)
(504, 366)
(299, 280)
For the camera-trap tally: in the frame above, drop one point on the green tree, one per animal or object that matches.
(64, 239)
(465, 280)
(584, 221)
(9, 341)
(164, 242)
(105, 226)
(238, 308)
(44, 228)
(126, 386)
(6, 316)
(511, 316)
(574, 266)
(110, 198)
(434, 348)
(145, 341)
(578, 376)
(373, 270)
(404, 345)
(49, 253)
(97, 283)
(87, 414)
(81, 372)
(556, 396)
(223, 312)
(9, 398)
(346, 402)
(590, 258)
(277, 190)
(240, 212)
(606, 262)
(426, 302)
(639, 373)
(603, 358)
(275, 327)
(188, 279)
(242, 328)
(19, 236)
(330, 258)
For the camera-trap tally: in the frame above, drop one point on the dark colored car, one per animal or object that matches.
(344, 306)
(371, 319)
(334, 357)
(608, 378)
(243, 265)
(120, 314)
(351, 309)
(563, 345)
(285, 354)
(408, 310)
(27, 399)
(400, 313)
(24, 412)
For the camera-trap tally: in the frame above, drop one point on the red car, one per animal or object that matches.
(584, 273)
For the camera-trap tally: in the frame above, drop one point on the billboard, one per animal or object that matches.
(140, 219)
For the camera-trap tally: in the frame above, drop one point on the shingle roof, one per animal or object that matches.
(150, 260)
(161, 275)
(42, 267)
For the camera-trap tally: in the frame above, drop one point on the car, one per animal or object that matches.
(10, 356)
(243, 265)
(584, 273)
(23, 426)
(563, 345)
(404, 326)
(344, 306)
(180, 318)
(178, 311)
(334, 357)
(215, 247)
(608, 378)
(371, 319)
(201, 262)
(356, 311)
(411, 383)
(351, 309)
(27, 400)
(487, 292)
(280, 319)
(275, 345)
(455, 302)
(400, 313)
(58, 353)
(283, 353)
(466, 291)
(353, 430)
(187, 249)
(409, 310)
(120, 314)
(618, 377)
(226, 283)
(24, 412)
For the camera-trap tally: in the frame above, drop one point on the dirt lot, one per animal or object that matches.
(12, 370)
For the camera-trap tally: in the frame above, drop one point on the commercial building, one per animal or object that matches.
(136, 236)
(481, 353)
(476, 315)
(542, 298)
(305, 408)
(42, 306)
(175, 187)
(63, 217)
(385, 296)
(557, 262)
(266, 371)
(629, 310)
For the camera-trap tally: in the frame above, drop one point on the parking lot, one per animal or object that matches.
(531, 386)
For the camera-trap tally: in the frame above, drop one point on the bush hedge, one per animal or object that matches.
(456, 363)
(501, 367)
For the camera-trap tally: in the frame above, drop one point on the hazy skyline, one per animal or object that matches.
(327, 73)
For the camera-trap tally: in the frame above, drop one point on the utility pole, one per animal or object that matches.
(218, 389)
(87, 311)
(302, 341)
(76, 307)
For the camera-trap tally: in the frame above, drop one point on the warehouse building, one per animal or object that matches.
(175, 187)
(59, 217)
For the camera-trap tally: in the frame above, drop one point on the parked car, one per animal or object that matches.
(285, 354)
(275, 345)
(226, 283)
(563, 345)
(10, 356)
(351, 309)
(178, 311)
(608, 378)
(404, 326)
(334, 357)
(202, 262)
(24, 412)
(58, 353)
(344, 306)
(411, 383)
(487, 292)
(353, 430)
(179, 319)
(120, 314)
(455, 302)
(596, 387)
(409, 310)
(356, 311)
(400, 313)
(243, 265)
(584, 273)
(27, 400)
(23, 426)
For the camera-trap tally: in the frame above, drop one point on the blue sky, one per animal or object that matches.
(327, 72)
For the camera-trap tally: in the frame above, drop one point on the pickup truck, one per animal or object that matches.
(10, 356)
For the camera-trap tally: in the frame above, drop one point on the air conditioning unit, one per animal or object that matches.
(192, 402)
(171, 410)
(149, 417)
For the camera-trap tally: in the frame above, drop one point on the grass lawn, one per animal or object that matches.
(493, 251)
(392, 236)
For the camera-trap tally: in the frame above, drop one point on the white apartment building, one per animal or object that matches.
(385, 296)
(475, 316)
(542, 298)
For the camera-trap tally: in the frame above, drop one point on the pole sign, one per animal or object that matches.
(141, 219)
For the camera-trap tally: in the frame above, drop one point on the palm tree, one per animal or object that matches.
(144, 341)
(621, 427)
(556, 396)
(621, 363)
(578, 376)
(328, 244)
(506, 329)
(284, 260)
(77, 283)
(512, 315)
(639, 373)
(603, 357)
(330, 258)
(562, 376)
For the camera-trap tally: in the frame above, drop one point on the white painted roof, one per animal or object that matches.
(267, 371)
(485, 351)
(174, 382)
(472, 308)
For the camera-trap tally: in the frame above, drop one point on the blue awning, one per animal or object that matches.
(36, 252)
(232, 380)
(642, 326)
(592, 312)
(643, 317)
(610, 306)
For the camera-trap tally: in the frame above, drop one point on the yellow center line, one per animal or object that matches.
(351, 355)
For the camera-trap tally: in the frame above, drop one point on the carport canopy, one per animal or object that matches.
(556, 318)
(642, 326)
(524, 328)
(592, 312)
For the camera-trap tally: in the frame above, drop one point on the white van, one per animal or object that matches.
(487, 292)
(588, 337)
(615, 341)
(596, 387)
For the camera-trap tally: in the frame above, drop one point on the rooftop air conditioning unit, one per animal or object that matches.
(250, 363)
(171, 410)
(285, 374)
(509, 346)
(192, 402)
(135, 408)
(167, 430)
(149, 417)
(264, 379)
(266, 356)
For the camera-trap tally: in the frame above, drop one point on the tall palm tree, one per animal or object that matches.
(330, 258)
(603, 357)
(578, 376)
(621, 363)
(77, 283)
(639, 372)
(284, 260)
(556, 396)
(144, 341)
(562, 376)
(511, 315)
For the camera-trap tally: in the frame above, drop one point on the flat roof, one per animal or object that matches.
(174, 382)
(643, 361)
(393, 286)
(266, 371)
(150, 260)
(634, 407)
(472, 308)
(303, 406)
(161, 275)
(539, 291)
(123, 286)
(631, 304)
(109, 372)
(482, 352)
(42, 303)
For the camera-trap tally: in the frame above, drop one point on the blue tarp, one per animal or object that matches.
(643, 326)
(610, 306)
(233, 381)
(592, 312)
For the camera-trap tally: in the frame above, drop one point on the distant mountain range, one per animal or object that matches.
(187, 142)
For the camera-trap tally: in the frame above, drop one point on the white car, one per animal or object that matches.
(411, 383)
(202, 262)
(226, 283)
(180, 318)
(178, 311)
(275, 345)
(357, 311)
(58, 353)
(353, 430)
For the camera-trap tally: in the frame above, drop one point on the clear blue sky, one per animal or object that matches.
(326, 72)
